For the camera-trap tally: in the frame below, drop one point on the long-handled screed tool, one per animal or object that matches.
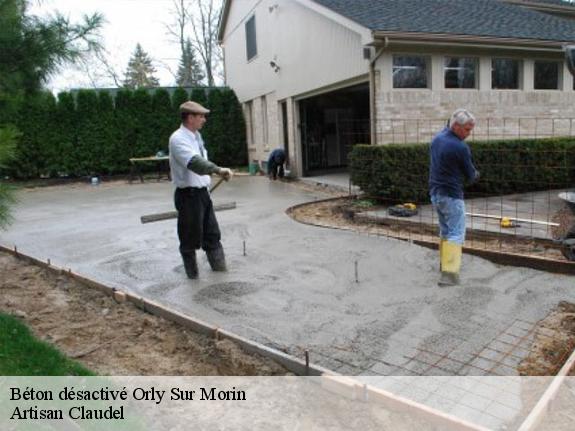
(150, 218)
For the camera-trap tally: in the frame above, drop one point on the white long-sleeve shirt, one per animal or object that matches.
(185, 144)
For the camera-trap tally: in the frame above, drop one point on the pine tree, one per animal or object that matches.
(189, 71)
(140, 72)
(32, 49)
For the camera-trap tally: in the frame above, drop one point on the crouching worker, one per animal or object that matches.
(191, 169)
(451, 163)
(276, 162)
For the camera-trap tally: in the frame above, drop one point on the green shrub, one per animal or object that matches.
(92, 133)
(401, 172)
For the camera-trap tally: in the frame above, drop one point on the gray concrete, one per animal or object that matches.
(338, 180)
(295, 289)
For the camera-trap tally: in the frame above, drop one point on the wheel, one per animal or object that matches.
(569, 252)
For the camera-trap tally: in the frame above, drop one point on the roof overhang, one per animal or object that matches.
(365, 33)
(440, 39)
(223, 18)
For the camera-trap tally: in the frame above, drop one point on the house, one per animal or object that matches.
(319, 76)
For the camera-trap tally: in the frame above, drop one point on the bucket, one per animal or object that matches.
(253, 168)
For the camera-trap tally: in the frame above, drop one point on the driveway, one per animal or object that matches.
(295, 288)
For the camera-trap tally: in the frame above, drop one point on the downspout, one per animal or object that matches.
(372, 104)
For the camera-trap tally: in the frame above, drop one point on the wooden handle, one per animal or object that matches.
(221, 180)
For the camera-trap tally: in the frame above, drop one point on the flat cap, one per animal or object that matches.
(193, 108)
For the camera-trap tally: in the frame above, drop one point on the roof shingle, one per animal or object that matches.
(492, 18)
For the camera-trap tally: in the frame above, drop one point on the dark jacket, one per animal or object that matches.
(450, 165)
(277, 157)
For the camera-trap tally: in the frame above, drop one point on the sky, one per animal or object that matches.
(128, 22)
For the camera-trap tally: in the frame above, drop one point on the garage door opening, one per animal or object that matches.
(331, 124)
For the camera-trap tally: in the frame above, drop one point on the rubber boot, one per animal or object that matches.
(450, 264)
(190, 264)
(217, 259)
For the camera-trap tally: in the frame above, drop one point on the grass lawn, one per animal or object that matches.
(21, 354)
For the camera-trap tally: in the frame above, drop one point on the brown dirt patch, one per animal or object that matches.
(115, 338)
(566, 220)
(342, 214)
(554, 343)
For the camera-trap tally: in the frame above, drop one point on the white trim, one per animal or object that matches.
(363, 79)
(365, 33)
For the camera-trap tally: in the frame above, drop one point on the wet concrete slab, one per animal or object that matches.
(295, 287)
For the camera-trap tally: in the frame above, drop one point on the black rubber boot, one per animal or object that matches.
(190, 264)
(217, 259)
(448, 279)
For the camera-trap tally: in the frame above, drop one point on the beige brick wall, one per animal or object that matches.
(411, 116)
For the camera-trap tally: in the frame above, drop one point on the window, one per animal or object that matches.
(460, 72)
(409, 72)
(546, 75)
(251, 45)
(505, 74)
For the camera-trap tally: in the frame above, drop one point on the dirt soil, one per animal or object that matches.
(114, 338)
(554, 343)
(555, 335)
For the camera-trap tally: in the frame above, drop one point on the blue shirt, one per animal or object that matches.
(450, 165)
(277, 157)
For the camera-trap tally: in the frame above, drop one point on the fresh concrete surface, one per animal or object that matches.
(295, 288)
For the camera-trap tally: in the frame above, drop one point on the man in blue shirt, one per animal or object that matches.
(450, 166)
(276, 162)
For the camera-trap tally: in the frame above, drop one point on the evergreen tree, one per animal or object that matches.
(180, 96)
(8, 138)
(145, 143)
(189, 71)
(66, 128)
(32, 49)
(126, 113)
(140, 71)
(164, 120)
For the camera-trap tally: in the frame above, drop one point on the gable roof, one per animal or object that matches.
(486, 18)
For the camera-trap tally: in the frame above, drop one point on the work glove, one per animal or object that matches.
(225, 173)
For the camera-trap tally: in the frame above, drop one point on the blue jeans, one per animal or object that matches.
(451, 214)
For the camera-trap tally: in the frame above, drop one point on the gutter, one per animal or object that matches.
(372, 95)
(465, 40)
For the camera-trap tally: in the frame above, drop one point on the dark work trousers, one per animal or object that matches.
(276, 170)
(197, 224)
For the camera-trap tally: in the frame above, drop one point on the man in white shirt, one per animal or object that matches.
(191, 169)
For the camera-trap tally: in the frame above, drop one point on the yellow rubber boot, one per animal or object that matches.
(450, 264)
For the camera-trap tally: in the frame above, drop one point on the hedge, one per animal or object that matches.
(94, 133)
(401, 172)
